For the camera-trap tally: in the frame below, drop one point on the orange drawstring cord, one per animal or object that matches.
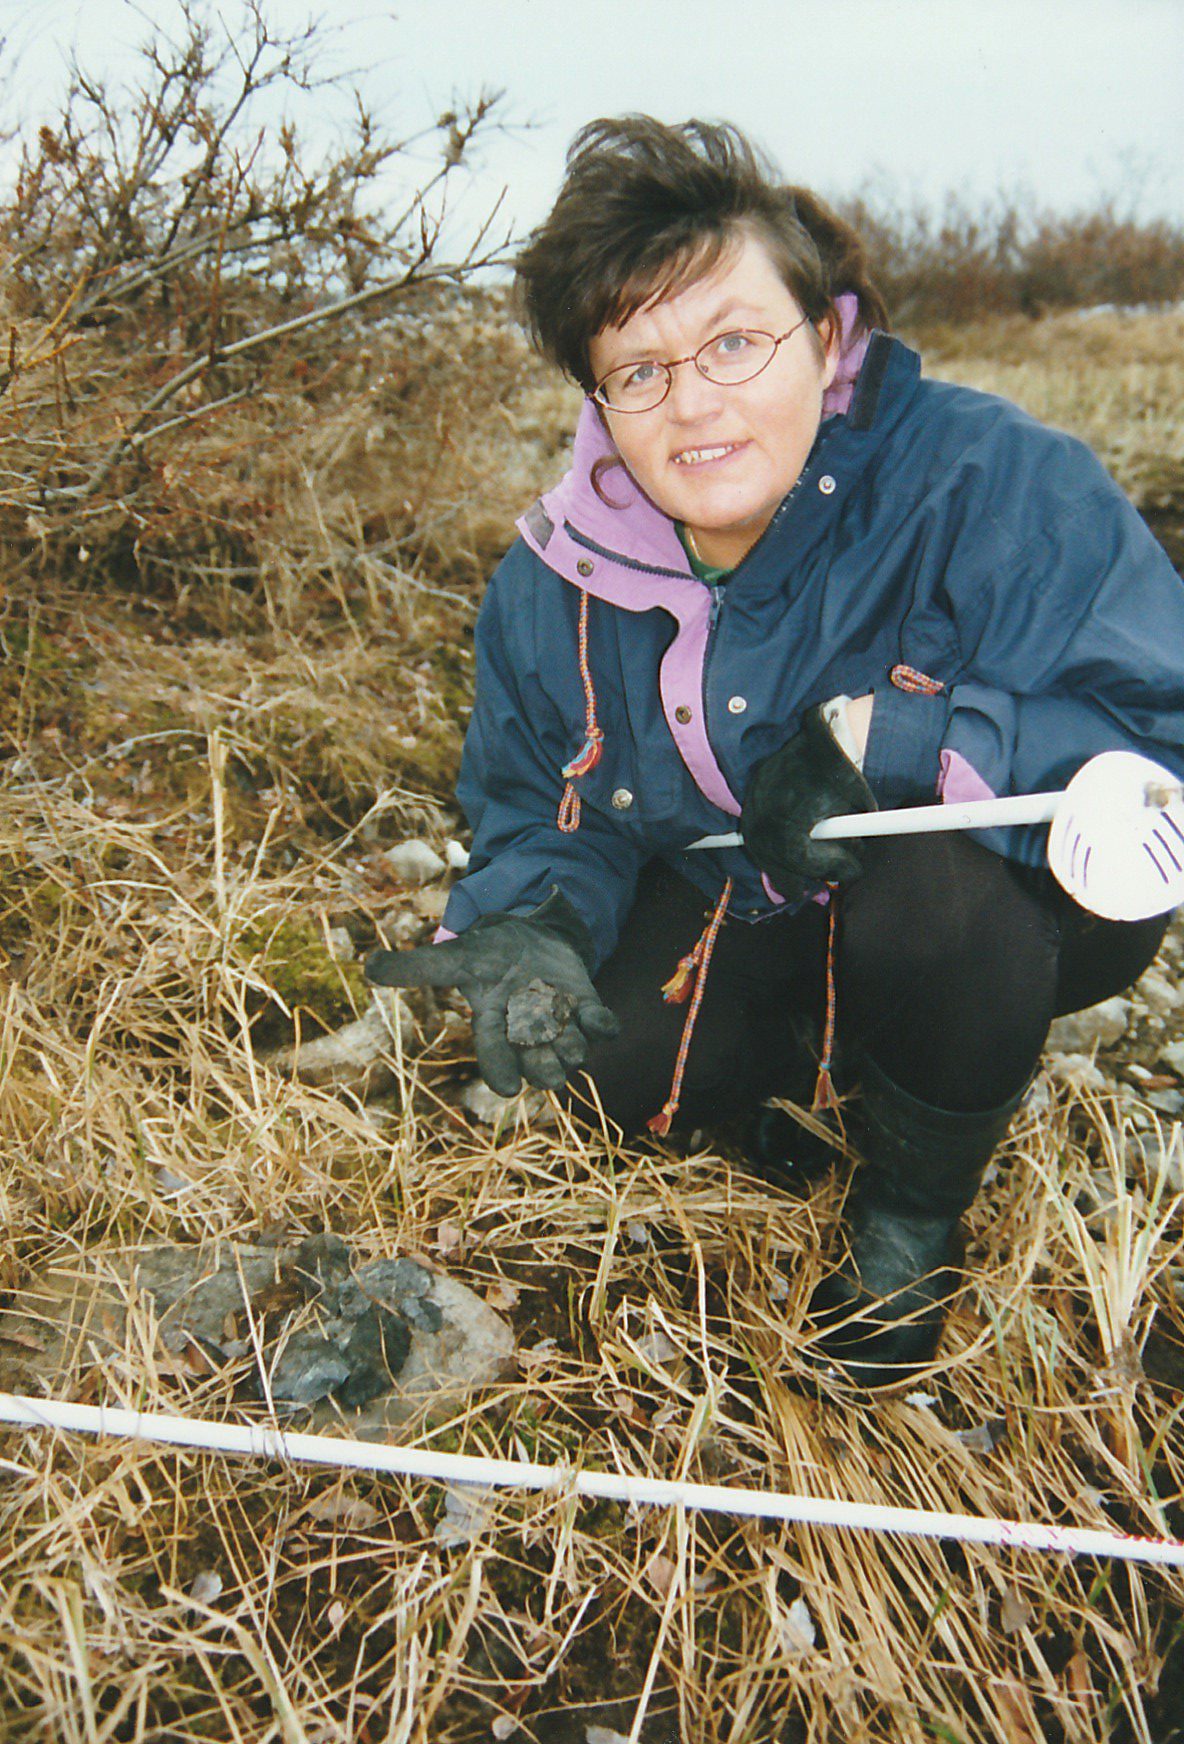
(588, 756)
(825, 1095)
(696, 963)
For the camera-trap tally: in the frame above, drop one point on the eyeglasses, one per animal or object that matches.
(727, 360)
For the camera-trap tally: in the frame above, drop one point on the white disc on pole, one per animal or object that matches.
(1116, 842)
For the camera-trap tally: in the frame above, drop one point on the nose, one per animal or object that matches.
(692, 397)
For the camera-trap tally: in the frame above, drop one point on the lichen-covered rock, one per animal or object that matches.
(384, 1341)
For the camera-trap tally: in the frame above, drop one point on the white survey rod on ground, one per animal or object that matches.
(263, 1442)
(972, 814)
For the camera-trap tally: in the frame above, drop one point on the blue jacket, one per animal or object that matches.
(981, 573)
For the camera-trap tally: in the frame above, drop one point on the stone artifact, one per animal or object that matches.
(538, 1014)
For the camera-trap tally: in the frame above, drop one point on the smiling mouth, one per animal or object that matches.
(704, 456)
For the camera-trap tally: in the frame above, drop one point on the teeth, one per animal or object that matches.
(690, 456)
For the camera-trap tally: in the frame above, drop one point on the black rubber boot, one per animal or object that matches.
(881, 1312)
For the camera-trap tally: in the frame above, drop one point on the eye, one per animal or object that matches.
(641, 375)
(729, 347)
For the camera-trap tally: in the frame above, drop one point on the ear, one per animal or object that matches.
(830, 337)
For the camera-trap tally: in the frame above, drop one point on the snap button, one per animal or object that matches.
(826, 484)
(584, 566)
(737, 705)
(682, 713)
(622, 798)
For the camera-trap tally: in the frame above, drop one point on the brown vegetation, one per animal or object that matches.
(961, 261)
(236, 635)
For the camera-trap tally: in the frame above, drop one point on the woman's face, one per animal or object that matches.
(721, 458)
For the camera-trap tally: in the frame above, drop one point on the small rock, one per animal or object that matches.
(379, 1345)
(405, 1287)
(414, 862)
(1099, 1025)
(466, 1515)
(984, 1437)
(338, 1508)
(797, 1630)
(1163, 1155)
(309, 1367)
(1173, 1055)
(1157, 991)
(1077, 1071)
(431, 903)
(538, 1014)
(1167, 1101)
(485, 1104)
(528, 1108)
(1039, 1097)
(658, 1349)
(401, 926)
(456, 855)
(355, 1057)
(1015, 1613)
(206, 1586)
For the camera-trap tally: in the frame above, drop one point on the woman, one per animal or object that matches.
(786, 578)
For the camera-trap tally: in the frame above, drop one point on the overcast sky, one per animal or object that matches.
(1065, 97)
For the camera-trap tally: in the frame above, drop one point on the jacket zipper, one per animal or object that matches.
(717, 600)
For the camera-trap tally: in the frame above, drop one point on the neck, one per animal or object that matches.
(721, 549)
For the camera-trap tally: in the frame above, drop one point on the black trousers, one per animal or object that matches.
(950, 965)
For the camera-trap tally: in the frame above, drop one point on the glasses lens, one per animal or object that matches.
(635, 387)
(735, 357)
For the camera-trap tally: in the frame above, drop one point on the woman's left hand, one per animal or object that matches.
(807, 780)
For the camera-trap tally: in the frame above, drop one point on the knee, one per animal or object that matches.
(940, 907)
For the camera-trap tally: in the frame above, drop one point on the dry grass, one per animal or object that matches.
(1115, 380)
(197, 786)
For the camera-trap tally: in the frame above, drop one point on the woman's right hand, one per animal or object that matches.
(526, 977)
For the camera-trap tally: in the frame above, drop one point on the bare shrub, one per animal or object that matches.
(957, 262)
(224, 352)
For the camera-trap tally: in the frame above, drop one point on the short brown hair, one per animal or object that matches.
(646, 209)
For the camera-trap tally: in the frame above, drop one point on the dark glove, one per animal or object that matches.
(809, 779)
(526, 977)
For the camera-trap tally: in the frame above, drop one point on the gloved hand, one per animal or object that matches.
(809, 779)
(526, 978)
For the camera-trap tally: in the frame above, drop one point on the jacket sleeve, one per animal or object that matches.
(510, 787)
(1075, 646)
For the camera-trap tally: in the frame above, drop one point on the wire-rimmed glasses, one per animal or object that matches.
(728, 359)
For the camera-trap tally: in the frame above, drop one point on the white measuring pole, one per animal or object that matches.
(262, 1442)
(972, 814)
